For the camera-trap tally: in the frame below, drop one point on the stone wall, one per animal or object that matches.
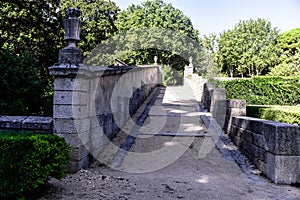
(272, 146)
(222, 109)
(26, 124)
(91, 104)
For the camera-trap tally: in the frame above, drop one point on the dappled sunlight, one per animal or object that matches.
(205, 179)
(177, 111)
(170, 143)
(193, 128)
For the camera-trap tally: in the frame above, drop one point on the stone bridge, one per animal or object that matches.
(94, 108)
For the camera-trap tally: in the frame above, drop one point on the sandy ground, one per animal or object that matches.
(166, 166)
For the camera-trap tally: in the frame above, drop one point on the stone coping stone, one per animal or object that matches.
(236, 103)
(92, 71)
(11, 122)
(26, 123)
(37, 123)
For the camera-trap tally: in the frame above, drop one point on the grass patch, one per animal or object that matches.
(286, 114)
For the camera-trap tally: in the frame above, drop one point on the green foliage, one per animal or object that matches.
(171, 76)
(265, 90)
(28, 29)
(34, 29)
(155, 28)
(290, 115)
(27, 160)
(288, 44)
(22, 88)
(248, 49)
(210, 64)
(217, 83)
(285, 69)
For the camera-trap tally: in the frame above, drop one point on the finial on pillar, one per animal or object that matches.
(72, 26)
(155, 60)
(191, 61)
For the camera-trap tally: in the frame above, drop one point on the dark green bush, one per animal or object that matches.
(23, 88)
(27, 160)
(290, 115)
(265, 90)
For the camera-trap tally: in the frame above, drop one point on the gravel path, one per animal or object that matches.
(166, 167)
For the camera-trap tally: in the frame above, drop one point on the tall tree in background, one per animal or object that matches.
(159, 16)
(288, 44)
(30, 36)
(249, 48)
(210, 64)
(32, 30)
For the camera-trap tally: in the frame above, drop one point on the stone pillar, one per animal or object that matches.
(218, 105)
(70, 104)
(189, 70)
(234, 107)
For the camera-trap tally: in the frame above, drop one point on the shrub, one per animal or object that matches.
(27, 160)
(265, 90)
(23, 89)
(286, 114)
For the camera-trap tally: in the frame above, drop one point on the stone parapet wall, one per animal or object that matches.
(26, 124)
(91, 104)
(222, 109)
(272, 146)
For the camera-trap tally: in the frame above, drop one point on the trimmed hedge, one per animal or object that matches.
(265, 90)
(290, 115)
(27, 160)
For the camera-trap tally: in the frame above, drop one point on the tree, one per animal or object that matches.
(29, 30)
(210, 64)
(155, 28)
(34, 29)
(288, 44)
(249, 48)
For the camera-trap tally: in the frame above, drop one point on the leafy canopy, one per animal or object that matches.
(249, 48)
(33, 30)
(161, 18)
(288, 44)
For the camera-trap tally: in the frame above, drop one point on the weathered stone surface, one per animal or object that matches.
(74, 140)
(78, 153)
(11, 122)
(282, 139)
(73, 167)
(72, 126)
(283, 169)
(273, 147)
(96, 102)
(240, 121)
(255, 125)
(236, 111)
(38, 123)
(236, 103)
